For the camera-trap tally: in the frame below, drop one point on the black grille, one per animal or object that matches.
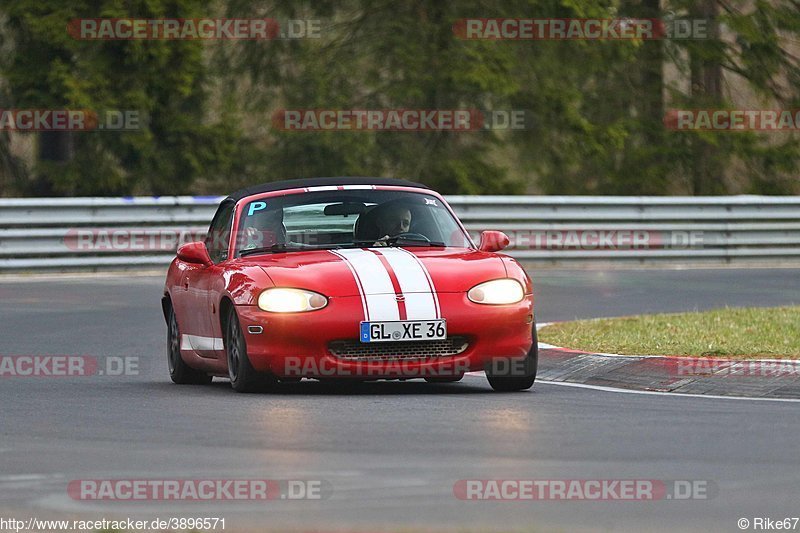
(354, 350)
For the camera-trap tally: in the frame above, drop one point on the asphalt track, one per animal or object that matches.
(391, 451)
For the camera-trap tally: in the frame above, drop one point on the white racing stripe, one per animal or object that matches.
(383, 307)
(373, 279)
(358, 283)
(420, 299)
(432, 288)
(376, 288)
(198, 343)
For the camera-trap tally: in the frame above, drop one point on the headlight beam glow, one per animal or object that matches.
(497, 292)
(283, 300)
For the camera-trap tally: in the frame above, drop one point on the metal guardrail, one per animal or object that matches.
(79, 233)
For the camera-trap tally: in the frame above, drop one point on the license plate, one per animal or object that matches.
(403, 330)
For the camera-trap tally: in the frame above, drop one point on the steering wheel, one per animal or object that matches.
(412, 237)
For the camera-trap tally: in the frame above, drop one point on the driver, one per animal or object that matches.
(265, 229)
(391, 222)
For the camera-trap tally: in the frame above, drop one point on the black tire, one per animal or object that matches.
(507, 381)
(179, 371)
(244, 378)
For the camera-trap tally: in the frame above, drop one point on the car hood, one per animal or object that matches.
(385, 270)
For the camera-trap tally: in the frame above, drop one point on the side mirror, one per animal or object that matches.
(195, 253)
(493, 241)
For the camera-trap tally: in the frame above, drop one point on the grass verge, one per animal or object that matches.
(737, 333)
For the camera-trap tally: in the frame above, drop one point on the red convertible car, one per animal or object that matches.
(346, 278)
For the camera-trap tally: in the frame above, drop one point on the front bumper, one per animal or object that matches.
(298, 345)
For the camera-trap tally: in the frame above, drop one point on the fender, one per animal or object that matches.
(242, 283)
(514, 270)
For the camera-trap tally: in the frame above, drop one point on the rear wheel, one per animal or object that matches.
(244, 378)
(516, 375)
(179, 371)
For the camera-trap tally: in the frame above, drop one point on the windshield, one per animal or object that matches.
(347, 219)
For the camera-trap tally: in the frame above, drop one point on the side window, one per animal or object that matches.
(219, 233)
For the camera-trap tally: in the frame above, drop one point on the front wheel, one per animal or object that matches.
(244, 378)
(515, 374)
(179, 371)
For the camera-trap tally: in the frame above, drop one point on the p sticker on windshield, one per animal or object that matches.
(256, 206)
(431, 201)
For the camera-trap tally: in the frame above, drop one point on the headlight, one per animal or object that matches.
(290, 300)
(497, 292)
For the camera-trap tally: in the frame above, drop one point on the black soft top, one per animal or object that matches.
(318, 182)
